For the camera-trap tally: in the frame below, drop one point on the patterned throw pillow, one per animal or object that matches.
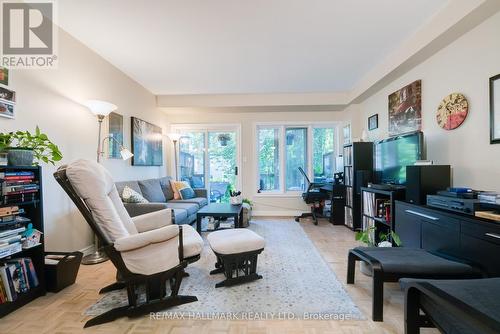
(187, 193)
(176, 186)
(129, 195)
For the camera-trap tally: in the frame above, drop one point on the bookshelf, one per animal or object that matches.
(358, 170)
(377, 209)
(30, 203)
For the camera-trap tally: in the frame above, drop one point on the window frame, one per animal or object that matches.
(282, 126)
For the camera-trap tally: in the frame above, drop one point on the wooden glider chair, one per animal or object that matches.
(147, 251)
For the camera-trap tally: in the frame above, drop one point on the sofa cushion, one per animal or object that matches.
(151, 190)
(235, 241)
(166, 188)
(191, 208)
(134, 185)
(193, 243)
(187, 193)
(180, 215)
(176, 186)
(129, 195)
(201, 201)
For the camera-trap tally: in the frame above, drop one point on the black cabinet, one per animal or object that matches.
(469, 238)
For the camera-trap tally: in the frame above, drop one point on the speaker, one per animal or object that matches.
(426, 180)
(362, 179)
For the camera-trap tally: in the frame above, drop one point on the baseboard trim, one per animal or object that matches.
(87, 250)
(276, 213)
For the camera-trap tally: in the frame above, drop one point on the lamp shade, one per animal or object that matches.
(174, 136)
(126, 154)
(100, 108)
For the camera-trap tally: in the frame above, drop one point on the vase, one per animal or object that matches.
(20, 157)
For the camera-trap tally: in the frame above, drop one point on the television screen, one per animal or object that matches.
(394, 154)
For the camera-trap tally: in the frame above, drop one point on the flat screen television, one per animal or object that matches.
(392, 155)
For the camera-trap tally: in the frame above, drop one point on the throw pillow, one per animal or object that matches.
(187, 193)
(176, 186)
(129, 195)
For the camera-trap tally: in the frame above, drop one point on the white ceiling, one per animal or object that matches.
(241, 46)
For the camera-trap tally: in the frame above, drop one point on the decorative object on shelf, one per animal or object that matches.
(452, 111)
(347, 134)
(32, 237)
(373, 122)
(4, 76)
(25, 149)
(147, 143)
(115, 131)
(364, 135)
(223, 139)
(405, 109)
(495, 109)
(175, 137)
(235, 197)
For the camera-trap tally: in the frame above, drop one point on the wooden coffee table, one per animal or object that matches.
(220, 210)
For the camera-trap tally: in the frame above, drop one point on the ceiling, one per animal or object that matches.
(245, 47)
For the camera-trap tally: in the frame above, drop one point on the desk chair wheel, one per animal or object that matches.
(297, 219)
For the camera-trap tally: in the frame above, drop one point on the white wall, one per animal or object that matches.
(264, 205)
(52, 99)
(464, 66)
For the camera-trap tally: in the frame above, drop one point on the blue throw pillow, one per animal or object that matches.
(187, 193)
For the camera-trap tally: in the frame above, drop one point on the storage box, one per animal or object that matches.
(61, 269)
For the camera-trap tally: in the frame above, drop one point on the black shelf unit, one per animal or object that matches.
(33, 211)
(369, 214)
(358, 170)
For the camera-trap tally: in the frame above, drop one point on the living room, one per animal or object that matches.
(200, 115)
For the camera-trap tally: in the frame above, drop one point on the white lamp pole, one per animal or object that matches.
(175, 137)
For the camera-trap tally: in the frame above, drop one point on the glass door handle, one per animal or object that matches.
(235, 170)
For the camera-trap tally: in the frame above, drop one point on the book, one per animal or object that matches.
(9, 249)
(7, 284)
(10, 239)
(32, 277)
(12, 232)
(17, 275)
(19, 173)
(3, 295)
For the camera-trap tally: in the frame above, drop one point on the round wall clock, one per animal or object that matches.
(452, 111)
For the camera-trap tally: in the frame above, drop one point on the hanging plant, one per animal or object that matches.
(290, 137)
(223, 139)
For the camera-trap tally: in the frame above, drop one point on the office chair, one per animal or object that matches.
(313, 196)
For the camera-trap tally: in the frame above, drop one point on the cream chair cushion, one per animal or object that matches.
(235, 241)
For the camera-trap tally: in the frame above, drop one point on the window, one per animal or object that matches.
(296, 156)
(192, 158)
(283, 149)
(269, 158)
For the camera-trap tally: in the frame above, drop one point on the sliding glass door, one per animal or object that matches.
(208, 158)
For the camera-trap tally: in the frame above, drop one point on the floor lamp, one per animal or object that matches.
(175, 137)
(102, 109)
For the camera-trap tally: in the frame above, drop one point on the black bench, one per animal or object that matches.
(393, 263)
(453, 306)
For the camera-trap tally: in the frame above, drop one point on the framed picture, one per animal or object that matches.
(115, 123)
(146, 143)
(405, 109)
(7, 109)
(495, 109)
(7, 95)
(373, 122)
(4, 76)
(347, 134)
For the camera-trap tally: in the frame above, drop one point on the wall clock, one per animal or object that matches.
(452, 111)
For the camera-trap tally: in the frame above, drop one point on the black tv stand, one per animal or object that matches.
(385, 186)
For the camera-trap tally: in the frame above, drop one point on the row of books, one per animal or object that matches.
(16, 276)
(11, 241)
(348, 176)
(19, 186)
(347, 155)
(489, 197)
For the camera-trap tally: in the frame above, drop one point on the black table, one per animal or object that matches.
(220, 210)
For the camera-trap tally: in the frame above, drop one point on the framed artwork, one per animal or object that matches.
(347, 134)
(4, 76)
(7, 95)
(115, 123)
(452, 111)
(147, 143)
(7, 109)
(495, 109)
(373, 122)
(405, 109)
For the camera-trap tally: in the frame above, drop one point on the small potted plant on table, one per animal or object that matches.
(368, 237)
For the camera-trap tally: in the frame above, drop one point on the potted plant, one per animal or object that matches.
(25, 148)
(368, 237)
(247, 211)
(223, 139)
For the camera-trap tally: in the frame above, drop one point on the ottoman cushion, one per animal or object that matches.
(235, 241)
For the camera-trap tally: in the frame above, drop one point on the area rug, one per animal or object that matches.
(297, 283)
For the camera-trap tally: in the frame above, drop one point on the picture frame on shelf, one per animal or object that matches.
(495, 109)
(115, 124)
(373, 122)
